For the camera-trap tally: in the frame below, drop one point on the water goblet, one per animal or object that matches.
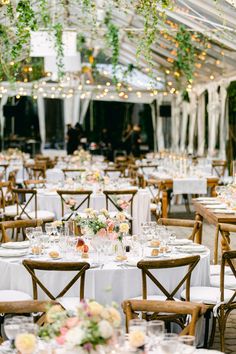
(169, 343)
(187, 344)
(155, 332)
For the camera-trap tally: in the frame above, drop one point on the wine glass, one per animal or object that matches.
(51, 231)
(11, 328)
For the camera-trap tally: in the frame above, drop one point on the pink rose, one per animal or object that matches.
(61, 340)
(71, 322)
(102, 232)
(63, 331)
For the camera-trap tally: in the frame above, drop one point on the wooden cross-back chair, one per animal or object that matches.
(195, 225)
(35, 183)
(114, 171)
(146, 266)
(219, 167)
(84, 194)
(132, 308)
(3, 168)
(145, 168)
(6, 197)
(129, 194)
(28, 196)
(35, 307)
(72, 171)
(17, 225)
(78, 267)
(223, 231)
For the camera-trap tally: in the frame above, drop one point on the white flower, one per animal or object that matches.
(26, 343)
(137, 339)
(102, 218)
(124, 227)
(105, 329)
(75, 336)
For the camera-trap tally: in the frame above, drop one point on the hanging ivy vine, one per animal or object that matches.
(112, 37)
(44, 11)
(185, 53)
(58, 33)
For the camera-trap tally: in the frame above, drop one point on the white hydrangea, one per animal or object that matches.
(105, 329)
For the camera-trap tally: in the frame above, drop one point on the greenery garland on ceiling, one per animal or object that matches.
(25, 18)
(112, 37)
(184, 62)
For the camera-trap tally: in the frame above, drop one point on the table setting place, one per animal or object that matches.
(224, 203)
(110, 246)
(92, 329)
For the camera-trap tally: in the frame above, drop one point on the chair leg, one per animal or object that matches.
(213, 331)
(207, 317)
(222, 325)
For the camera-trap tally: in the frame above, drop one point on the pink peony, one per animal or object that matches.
(71, 322)
(113, 236)
(102, 232)
(63, 330)
(60, 340)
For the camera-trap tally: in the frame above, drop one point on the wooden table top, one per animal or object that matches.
(211, 217)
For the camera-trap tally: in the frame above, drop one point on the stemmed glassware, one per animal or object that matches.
(155, 332)
(187, 344)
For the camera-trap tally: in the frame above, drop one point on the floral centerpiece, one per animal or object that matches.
(101, 223)
(94, 176)
(91, 326)
(81, 156)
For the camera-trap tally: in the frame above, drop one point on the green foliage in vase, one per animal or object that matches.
(185, 53)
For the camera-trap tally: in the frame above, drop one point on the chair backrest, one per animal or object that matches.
(146, 266)
(34, 183)
(113, 197)
(65, 194)
(17, 224)
(20, 195)
(6, 196)
(219, 167)
(163, 308)
(114, 172)
(195, 225)
(223, 230)
(3, 168)
(78, 267)
(228, 259)
(35, 307)
(72, 171)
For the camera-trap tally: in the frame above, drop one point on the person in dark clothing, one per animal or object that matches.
(72, 139)
(136, 140)
(126, 138)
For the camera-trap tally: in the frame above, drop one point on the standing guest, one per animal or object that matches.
(136, 140)
(72, 139)
(126, 138)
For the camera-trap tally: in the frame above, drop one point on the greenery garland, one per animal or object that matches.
(58, 33)
(45, 16)
(25, 23)
(185, 53)
(112, 37)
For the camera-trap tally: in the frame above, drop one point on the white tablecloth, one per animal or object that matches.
(190, 185)
(112, 283)
(141, 206)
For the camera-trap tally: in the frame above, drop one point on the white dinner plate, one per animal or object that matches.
(191, 249)
(16, 245)
(180, 242)
(215, 206)
(13, 253)
(223, 211)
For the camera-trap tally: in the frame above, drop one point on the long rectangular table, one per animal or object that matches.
(165, 184)
(203, 213)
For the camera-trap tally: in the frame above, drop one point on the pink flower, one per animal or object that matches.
(63, 330)
(113, 236)
(60, 340)
(102, 232)
(71, 322)
(110, 227)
